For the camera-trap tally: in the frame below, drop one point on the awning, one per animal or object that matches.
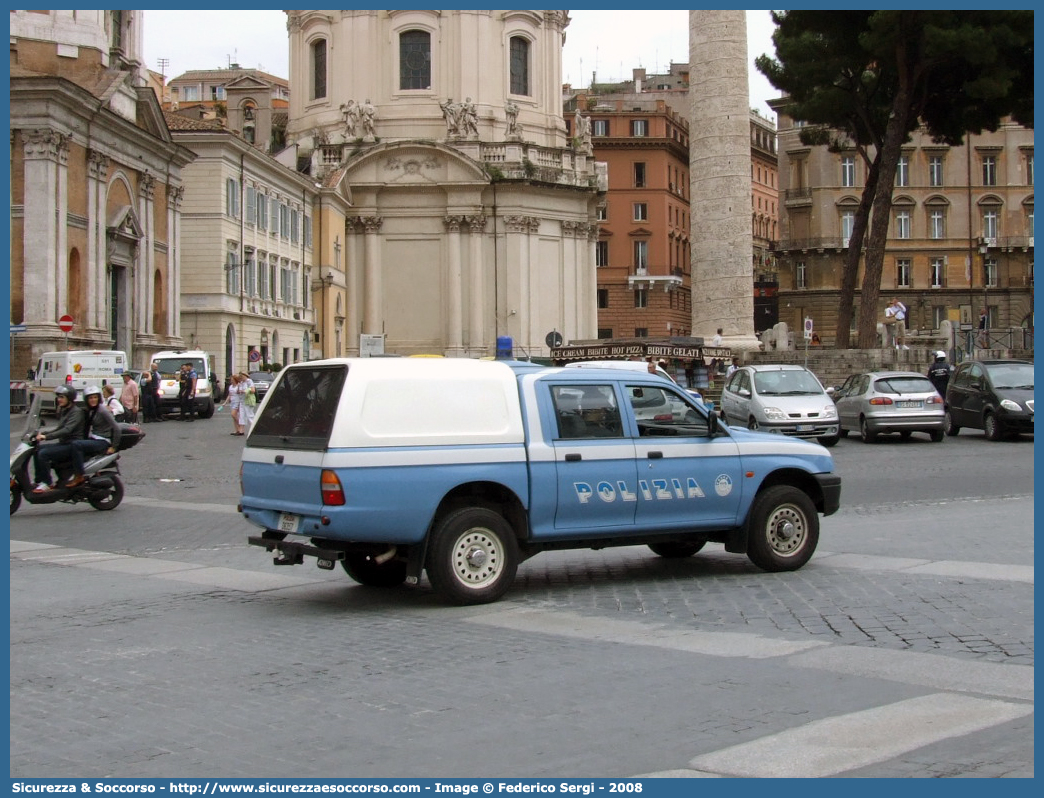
(640, 351)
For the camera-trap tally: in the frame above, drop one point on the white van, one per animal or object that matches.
(631, 365)
(169, 363)
(77, 368)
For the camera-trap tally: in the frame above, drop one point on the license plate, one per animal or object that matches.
(288, 522)
(908, 404)
(804, 427)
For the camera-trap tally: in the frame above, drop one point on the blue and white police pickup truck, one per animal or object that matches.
(464, 468)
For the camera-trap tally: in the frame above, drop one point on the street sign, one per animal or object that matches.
(553, 339)
(17, 328)
(808, 328)
(65, 323)
(254, 356)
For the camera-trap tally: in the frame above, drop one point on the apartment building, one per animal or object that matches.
(960, 236)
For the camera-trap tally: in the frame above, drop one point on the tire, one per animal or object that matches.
(936, 435)
(364, 570)
(949, 427)
(829, 440)
(994, 431)
(112, 498)
(752, 423)
(16, 499)
(905, 435)
(868, 435)
(842, 433)
(784, 529)
(472, 556)
(677, 549)
(207, 411)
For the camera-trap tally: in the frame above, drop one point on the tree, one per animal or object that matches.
(867, 79)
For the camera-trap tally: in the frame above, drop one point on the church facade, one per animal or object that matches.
(473, 212)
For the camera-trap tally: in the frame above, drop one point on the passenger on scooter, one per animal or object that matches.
(71, 425)
(103, 434)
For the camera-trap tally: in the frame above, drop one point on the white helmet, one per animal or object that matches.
(91, 390)
(940, 355)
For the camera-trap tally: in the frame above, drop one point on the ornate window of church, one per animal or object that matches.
(519, 65)
(318, 48)
(414, 60)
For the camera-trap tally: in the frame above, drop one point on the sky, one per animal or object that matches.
(611, 42)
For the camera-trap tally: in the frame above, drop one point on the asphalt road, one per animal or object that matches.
(152, 641)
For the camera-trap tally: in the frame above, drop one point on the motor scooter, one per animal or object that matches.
(103, 489)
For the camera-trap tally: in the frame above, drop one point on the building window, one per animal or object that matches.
(939, 315)
(284, 220)
(307, 231)
(801, 276)
(273, 275)
(274, 215)
(935, 171)
(602, 253)
(641, 332)
(232, 268)
(937, 223)
(262, 212)
(295, 226)
(989, 268)
(1029, 223)
(602, 213)
(251, 206)
(639, 175)
(847, 225)
(639, 127)
(641, 256)
(231, 198)
(989, 170)
(262, 276)
(605, 332)
(641, 297)
(1029, 169)
(902, 224)
(599, 127)
(989, 223)
(192, 94)
(319, 69)
(936, 272)
(249, 282)
(641, 212)
(519, 65)
(902, 273)
(848, 171)
(603, 298)
(902, 171)
(415, 60)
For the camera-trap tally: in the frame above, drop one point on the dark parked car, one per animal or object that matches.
(262, 382)
(995, 396)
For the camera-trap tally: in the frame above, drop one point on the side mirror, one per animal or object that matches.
(832, 390)
(713, 426)
(743, 392)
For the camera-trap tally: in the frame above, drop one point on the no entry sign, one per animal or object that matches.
(65, 323)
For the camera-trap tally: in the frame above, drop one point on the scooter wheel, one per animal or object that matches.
(112, 497)
(16, 500)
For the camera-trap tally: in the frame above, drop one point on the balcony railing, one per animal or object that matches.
(802, 244)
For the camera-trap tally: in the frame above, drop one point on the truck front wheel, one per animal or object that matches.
(472, 556)
(784, 529)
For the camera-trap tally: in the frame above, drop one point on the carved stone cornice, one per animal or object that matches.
(147, 185)
(515, 224)
(368, 224)
(573, 229)
(453, 223)
(476, 223)
(44, 144)
(175, 194)
(97, 165)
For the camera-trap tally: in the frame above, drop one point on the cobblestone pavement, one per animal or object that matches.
(150, 641)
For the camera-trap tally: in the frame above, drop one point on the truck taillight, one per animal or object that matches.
(330, 486)
(68, 379)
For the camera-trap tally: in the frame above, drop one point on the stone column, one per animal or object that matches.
(477, 343)
(516, 275)
(97, 180)
(719, 161)
(373, 317)
(40, 287)
(454, 288)
(141, 275)
(588, 327)
(175, 194)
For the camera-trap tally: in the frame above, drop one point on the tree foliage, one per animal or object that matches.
(866, 80)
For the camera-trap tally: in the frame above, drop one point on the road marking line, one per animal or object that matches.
(834, 745)
(613, 630)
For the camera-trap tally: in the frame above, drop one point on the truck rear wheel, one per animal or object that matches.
(676, 549)
(784, 529)
(365, 570)
(472, 556)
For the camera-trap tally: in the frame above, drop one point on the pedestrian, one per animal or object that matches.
(984, 321)
(234, 400)
(246, 413)
(187, 391)
(895, 317)
(939, 373)
(815, 340)
(152, 409)
(130, 398)
(102, 434)
(71, 421)
(111, 402)
(716, 340)
(732, 366)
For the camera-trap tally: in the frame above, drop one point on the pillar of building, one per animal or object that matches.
(719, 160)
(477, 343)
(373, 318)
(97, 179)
(41, 152)
(454, 288)
(141, 277)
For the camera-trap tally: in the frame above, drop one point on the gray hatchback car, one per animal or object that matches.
(786, 399)
(883, 402)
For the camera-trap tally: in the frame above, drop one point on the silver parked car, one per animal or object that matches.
(883, 402)
(786, 399)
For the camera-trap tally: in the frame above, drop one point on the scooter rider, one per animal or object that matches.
(71, 425)
(103, 434)
(939, 373)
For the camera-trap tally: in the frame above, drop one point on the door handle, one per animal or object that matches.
(279, 459)
(573, 458)
(654, 455)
